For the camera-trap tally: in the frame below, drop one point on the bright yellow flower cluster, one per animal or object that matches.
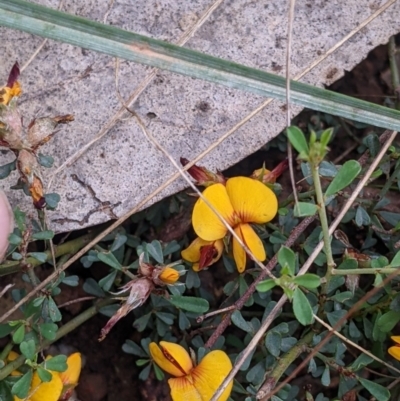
(192, 383)
(395, 349)
(240, 202)
(59, 387)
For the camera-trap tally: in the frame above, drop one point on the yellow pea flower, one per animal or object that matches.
(203, 253)
(395, 349)
(192, 383)
(242, 201)
(169, 275)
(60, 386)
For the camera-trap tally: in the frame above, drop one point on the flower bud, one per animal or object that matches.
(202, 175)
(168, 275)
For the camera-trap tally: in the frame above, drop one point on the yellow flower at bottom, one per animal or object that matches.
(395, 349)
(242, 201)
(203, 253)
(192, 383)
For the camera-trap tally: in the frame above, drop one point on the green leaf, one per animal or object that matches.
(131, 347)
(6, 169)
(72, 281)
(107, 281)
(344, 177)
(388, 321)
(43, 235)
(155, 251)
(325, 137)
(45, 161)
(48, 330)
(22, 386)
(303, 209)
(119, 240)
(52, 201)
(116, 42)
(396, 260)
(45, 375)
(19, 335)
(287, 259)
(361, 362)
(141, 323)
(28, 349)
(308, 280)
(40, 256)
(379, 392)
(51, 310)
(109, 259)
(302, 308)
(57, 363)
(191, 304)
(362, 217)
(326, 377)
(266, 285)
(239, 321)
(298, 141)
(5, 330)
(273, 342)
(92, 288)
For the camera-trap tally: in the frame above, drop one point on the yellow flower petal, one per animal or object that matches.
(395, 352)
(49, 391)
(172, 358)
(252, 201)
(71, 375)
(206, 224)
(396, 339)
(203, 381)
(253, 242)
(169, 275)
(193, 252)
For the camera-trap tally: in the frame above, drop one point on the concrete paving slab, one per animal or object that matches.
(186, 115)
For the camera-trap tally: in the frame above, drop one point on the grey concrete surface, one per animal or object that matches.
(184, 114)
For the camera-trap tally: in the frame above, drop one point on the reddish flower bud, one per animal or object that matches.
(202, 175)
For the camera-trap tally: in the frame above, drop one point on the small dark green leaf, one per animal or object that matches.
(361, 362)
(72, 281)
(109, 259)
(43, 235)
(167, 318)
(45, 375)
(388, 321)
(107, 281)
(6, 169)
(52, 201)
(308, 280)
(362, 217)
(273, 341)
(91, 287)
(144, 374)
(155, 251)
(266, 285)
(45, 161)
(21, 387)
(191, 304)
(131, 347)
(303, 209)
(184, 322)
(298, 141)
(326, 377)
(334, 317)
(119, 240)
(302, 308)
(48, 330)
(344, 177)
(379, 392)
(239, 321)
(28, 349)
(5, 330)
(54, 312)
(287, 259)
(141, 323)
(19, 335)
(57, 363)
(40, 256)
(14, 239)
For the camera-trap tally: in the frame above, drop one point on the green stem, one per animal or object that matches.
(6, 350)
(62, 331)
(285, 361)
(394, 70)
(372, 270)
(324, 225)
(72, 247)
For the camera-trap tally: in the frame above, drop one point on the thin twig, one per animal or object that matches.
(303, 270)
(134, 96)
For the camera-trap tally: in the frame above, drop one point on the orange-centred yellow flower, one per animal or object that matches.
(242, 201)
(192, 383)
(203, 253)
(395, 349)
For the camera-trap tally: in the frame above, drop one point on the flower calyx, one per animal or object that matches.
(202, 176)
